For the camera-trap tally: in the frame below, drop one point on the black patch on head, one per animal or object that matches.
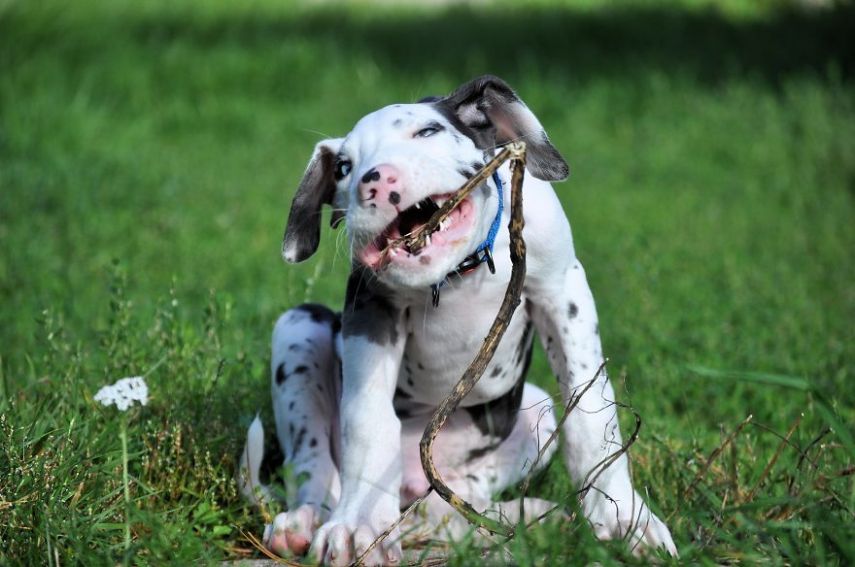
(368, 311)
(490, 113)
(281, 375)
(394, 197)
(497, 418)
(572, 310)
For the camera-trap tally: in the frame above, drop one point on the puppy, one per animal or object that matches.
(353, 391)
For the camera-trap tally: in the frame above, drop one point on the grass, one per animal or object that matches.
(148, 153)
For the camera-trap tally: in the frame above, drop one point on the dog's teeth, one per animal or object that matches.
(418, 206)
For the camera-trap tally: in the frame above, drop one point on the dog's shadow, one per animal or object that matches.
(560, 43)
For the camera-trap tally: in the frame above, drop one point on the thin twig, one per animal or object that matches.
(361, 559)
(516, 153)
(417, 239)
(574, 401)
(774, 458)
(254, 541)
(714, 455)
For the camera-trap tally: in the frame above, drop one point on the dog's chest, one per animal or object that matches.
(443, 341)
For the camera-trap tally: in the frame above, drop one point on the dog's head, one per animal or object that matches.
(398, 164)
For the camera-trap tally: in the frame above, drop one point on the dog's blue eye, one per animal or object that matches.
(428, 131)
(342, 169)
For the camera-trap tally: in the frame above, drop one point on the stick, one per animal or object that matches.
(416, 240)
(516, 153)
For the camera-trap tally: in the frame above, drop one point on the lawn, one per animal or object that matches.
(148, 155)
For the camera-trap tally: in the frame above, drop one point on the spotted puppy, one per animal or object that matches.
(352, 392)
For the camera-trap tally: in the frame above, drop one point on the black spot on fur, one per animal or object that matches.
(294, 348)
(281, 375)
(291, 406)
(302, 369)
(468, 174)
(397, 123)
(319, 313)
(368, 311)
(496, 371)
(399, 393)
(394, 197)
(572, 310)
(313, 442)
(371, 175)
(497, 418)
(298, 444)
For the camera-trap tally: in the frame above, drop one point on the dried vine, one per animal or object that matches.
(516, 153)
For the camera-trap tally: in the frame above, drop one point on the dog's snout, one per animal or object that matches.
(380, 184)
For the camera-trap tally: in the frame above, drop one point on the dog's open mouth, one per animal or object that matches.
(392, 243)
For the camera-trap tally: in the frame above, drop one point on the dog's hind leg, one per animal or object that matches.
(477, 468)
(306, 388)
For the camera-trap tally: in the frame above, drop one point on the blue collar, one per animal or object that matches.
(483, 253)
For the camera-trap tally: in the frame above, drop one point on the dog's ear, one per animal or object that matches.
(491, 113)
(303, 231)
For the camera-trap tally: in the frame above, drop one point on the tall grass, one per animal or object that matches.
(148, 153)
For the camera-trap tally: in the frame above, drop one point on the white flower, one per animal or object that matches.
(124, 393)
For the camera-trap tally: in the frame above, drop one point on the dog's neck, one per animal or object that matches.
(483, 253)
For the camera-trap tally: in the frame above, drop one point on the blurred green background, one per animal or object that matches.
(148, 155)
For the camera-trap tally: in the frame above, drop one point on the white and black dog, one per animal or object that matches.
(352, 392)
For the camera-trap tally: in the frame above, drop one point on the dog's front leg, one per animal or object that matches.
(370, 442)
(566, 319)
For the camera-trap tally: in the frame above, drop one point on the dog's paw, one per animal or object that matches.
(291, 532)
(629, 519)
(342, 543)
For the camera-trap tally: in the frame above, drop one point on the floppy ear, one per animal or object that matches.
(491, 113)
(303, 232)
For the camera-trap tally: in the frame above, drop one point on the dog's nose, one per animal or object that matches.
(379, 185)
